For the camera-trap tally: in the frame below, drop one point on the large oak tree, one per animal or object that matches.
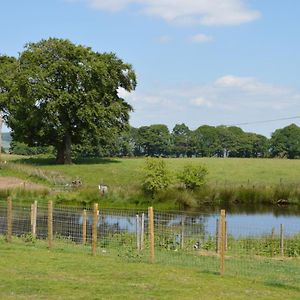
(57, 93)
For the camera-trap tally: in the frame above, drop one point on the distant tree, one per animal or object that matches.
(285, 142)
(60, 94)
(206, 140)
(227, 141)
(181, 140)
(154, 140)
(260, 145)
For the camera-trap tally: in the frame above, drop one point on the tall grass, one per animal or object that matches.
(24, 195)
(36, 174)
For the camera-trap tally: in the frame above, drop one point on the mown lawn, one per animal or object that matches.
(33, 272)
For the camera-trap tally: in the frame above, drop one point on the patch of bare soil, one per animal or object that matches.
(14, 182)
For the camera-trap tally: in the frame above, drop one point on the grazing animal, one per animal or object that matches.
(103, 189)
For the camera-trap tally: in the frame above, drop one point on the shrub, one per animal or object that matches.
(156, 175)
(193, 176)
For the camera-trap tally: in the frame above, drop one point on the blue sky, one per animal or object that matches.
(198, 61)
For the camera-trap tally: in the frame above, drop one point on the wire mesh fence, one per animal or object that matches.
(195, 240)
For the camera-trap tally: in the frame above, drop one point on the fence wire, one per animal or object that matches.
(183, 239)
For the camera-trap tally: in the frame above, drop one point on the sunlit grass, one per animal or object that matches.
(31, 271)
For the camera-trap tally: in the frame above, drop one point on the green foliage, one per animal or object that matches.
(156, 175)
(28, 238)
(285, 142)
(193, 176)
(23, 149)
(154, 140)
(62, 94)
(182, 141)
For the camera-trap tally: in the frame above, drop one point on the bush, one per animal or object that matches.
(156, 176)
(193, 176)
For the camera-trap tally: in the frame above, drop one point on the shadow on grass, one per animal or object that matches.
(45, 161)
(280, 284)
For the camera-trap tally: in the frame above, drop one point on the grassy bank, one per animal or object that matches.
(33, 272)
(230, 181)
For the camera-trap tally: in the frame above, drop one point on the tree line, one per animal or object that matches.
(205, 141)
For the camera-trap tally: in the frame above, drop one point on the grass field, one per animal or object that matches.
(33, 272)
(221, 171)
(230, 180)
(118, 171)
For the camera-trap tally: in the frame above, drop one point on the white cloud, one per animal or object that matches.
(227, 100)
(250, 85)
(200, 101)
(205, 12)
(202, 38)
(110, 5)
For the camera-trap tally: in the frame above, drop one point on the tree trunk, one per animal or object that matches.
(64, 150)
(68, 143)
(60, 156)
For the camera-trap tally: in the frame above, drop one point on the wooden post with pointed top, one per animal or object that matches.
(94, 229)
(151, 234)
(50, 224)
(9, 220)
(223, 241)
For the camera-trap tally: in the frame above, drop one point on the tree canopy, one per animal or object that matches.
(58, 93)
(285, 142)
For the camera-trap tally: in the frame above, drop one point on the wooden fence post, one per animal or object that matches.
(137, 230)
(33, 218)
(9, 220)
(50, 224)
(223, 241)
(142, 231)
(182, 231)
(226, 236)
(94, 229)
(151, 233)
(282, 239)
(84, 226)
(217, 236)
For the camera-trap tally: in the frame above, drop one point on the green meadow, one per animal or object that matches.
(229, 181)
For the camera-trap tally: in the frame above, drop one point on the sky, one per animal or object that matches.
(197, 61)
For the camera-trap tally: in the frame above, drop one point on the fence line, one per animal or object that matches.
(185, 239)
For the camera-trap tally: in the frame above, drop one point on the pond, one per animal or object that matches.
(68, 221)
